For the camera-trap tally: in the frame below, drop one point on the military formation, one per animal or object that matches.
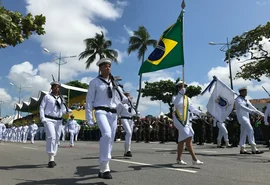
(111, 115)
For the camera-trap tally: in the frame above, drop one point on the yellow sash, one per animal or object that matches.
(178, 116)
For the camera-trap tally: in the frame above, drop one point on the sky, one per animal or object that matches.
(68, 23)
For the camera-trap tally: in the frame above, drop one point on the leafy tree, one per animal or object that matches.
(76, 83)
(251, 45)
(15, 27)
(140, 41)
(98, 46)
(164, 90)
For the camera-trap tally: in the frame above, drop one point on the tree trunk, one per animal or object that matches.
(140, 87)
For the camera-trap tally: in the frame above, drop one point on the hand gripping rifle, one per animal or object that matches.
(116, 84)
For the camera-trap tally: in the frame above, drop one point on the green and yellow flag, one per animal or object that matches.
(169, 51)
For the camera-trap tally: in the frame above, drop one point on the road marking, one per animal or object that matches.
(157, 166)
(163, 149)
(30, 148)
(209, 151)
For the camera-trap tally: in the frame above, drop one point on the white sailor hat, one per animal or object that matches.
(181, 82)
(242, 88)
(55, 83)
(104, 61)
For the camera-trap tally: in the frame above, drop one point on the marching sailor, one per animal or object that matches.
(222, 133)
(243, 109)
(103, 96)
(71, 125)
(52, 108)
(125, 112)
(185, 131)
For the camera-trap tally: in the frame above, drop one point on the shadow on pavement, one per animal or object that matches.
(71, 181)
(23, 167)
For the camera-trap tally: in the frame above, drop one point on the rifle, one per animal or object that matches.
(266, 91)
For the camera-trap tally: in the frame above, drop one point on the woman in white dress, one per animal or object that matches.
(185, 131)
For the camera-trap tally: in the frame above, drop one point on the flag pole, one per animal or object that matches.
(183, 5)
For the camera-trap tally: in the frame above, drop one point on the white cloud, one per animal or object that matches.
(128, 30)
(5, 97)
(158, 75)
(86, 80)
(121, 55)
(25, 76)
(68, 23)
(262, 3)
(122, 40)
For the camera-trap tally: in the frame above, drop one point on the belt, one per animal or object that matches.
(124, 117)
(107, 109)
(51, 117)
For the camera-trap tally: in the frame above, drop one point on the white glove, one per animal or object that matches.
(69, 111)
(182, 91)
(90, 123)
(266, 123)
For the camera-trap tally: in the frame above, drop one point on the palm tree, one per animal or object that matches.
(98, 46)
(139, 41)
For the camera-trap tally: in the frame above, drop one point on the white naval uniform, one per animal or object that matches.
(267, 114)
(2, 130)
(127, 123)
(13, 134)
(52, 125)
(243, 109)
(77, 130)
(33, 130)
(25, 132)
(186, 131)
(63, 131)
(97, 96)
(40, 131)
(72, 129)
(222, 132)
(19, 134)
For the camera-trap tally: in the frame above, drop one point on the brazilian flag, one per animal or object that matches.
(169, 51)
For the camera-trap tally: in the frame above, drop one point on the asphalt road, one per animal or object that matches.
(153, 163)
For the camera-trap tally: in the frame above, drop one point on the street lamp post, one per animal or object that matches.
(59, 60)
(226, 45)
(20, 88)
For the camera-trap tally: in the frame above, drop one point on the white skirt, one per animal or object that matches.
(184, 132)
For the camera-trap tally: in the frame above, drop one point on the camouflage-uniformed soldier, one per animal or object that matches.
(146, 125)
(162, 129)
(138, 125)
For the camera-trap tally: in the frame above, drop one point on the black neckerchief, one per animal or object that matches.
(244, 99)
(57, 103)
(109, 89)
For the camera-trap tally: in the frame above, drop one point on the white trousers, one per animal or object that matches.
(63, 132)
(128, 127)
(25, 134)
(76, 135)
(246, 131)
(53, 132)
(222, 132)
(13, 137)
(107, 123)
(71, 135)
(33, 134)
(41, 130)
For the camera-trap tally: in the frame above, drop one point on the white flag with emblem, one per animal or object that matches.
(221, 102)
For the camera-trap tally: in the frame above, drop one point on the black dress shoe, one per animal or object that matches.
(244, 152)
(107, 175)
(51, 164)
(128, 154)
(100, 175)
(220, 146)
(257, 152)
